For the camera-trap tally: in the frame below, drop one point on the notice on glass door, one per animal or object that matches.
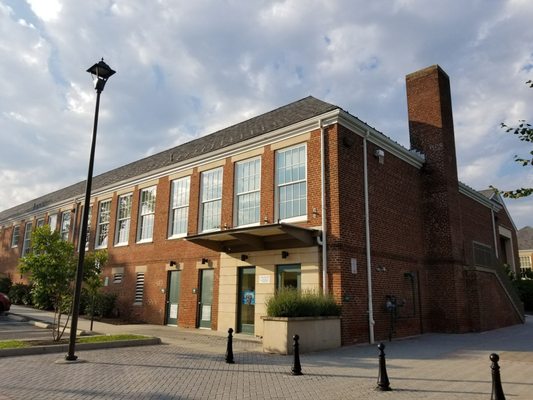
(173, 311)
(206, 313)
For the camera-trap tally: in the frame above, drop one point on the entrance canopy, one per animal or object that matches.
(254, 238)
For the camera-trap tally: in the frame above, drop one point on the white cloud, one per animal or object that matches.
(187, 69)
(47, 10)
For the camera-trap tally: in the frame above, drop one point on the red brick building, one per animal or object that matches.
(306, 196)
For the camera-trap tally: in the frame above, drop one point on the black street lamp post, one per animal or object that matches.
(101, 73)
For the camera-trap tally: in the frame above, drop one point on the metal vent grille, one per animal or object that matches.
(139, 287)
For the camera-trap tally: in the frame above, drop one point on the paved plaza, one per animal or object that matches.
(192, 366)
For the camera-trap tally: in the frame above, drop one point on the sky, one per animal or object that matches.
(188, 68)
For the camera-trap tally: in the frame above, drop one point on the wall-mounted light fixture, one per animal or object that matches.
(380, 154)
(284, 254)
(244, 257)
(205, 261)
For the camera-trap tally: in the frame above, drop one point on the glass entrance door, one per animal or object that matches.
(173, 297)
(246, 309)
(206, 298)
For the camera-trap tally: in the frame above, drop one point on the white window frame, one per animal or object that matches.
(245, 193)
(295, 218)
(211, 195)
(27, 238)
(52, 222)
(148, 213)
(65, 232)
(103, 223)
(15, 234)
(126, 218)
(40, 222)
(180, 190)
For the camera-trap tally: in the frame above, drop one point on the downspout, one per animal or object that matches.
(371, 321)
(494, 233)
(323, 240)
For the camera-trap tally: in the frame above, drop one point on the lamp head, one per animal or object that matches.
(100, 72)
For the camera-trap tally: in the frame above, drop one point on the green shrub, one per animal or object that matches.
(20, 294)
(294, 303)
(5, 284)
(104, 305)
(524, 287)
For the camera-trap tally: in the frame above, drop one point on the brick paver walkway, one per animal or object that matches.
(432, 366)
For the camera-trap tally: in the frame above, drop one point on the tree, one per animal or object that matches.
(525, 134)
(52, 266)
(93, 264)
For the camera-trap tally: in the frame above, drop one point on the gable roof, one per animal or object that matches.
(289, 114)
(525, 238)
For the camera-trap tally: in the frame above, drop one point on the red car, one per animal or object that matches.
(5, 304)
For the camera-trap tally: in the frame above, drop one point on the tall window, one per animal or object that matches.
(102, 229)
(123, 219)
(40, 222)
(289, 276)
(146, 215)
(211, 187)
(27, 238)
(88, 231)
(65, 225)
(52, 222)
(15, 236)
(291, 182)
(179, 207)
(247, 186)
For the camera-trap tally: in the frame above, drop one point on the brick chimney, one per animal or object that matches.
(431, 132)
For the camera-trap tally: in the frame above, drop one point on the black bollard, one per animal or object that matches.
(497, 390)
(229, 348)
(383, 378)
(296, 368)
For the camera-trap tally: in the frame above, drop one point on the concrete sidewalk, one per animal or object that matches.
(199, 338)
(432, 366)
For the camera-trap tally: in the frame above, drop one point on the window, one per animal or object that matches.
(123, 219)
(291, 182)
(139, 287)
(65, 225)
(179, 207)
(40, 222)
(102, 227)
(211, 189)
(289, 276)
(146, 215)
(52, 222)
(27, 238)
(247, 196)
(483, 255)
(88, 231)
(525, 262)
(15, 236)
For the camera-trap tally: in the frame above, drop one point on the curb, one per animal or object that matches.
(43, 324)
(63, 348)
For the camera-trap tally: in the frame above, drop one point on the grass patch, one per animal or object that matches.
(13, 344)
(19, 344)
(109, 338)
